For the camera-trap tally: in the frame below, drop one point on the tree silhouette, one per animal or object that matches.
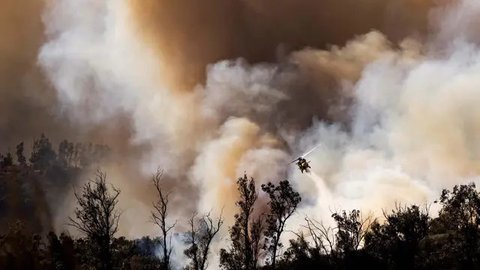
(160, 215)
(64, 154)
(459, 220)
(20, 156)
(43, 154)
(61, 252)
(283, 203)
(246, 233)
(6, 161)
(351, 230)
(302, 255)
(396, 240)
(202, 231)
(323, 237)
(97, 218)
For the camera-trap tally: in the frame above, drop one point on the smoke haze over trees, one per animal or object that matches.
(405, 238)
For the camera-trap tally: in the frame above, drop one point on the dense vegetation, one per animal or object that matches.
(405, 238)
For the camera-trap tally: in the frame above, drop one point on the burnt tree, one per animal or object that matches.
(159, 217)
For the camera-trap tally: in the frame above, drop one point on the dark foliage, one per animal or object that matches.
(454, 237)
(20, 156)
(246, 233)
(97, 217)
(201, 234)
(351, 230)
(29, 188)
(283, 203)
(405, 238)
(396, 240)
(43, 154)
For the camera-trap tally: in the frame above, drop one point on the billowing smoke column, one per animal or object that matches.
(397, 121)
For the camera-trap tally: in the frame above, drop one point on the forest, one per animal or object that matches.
(409, 237)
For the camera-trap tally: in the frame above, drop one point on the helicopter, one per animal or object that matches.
(302, 163)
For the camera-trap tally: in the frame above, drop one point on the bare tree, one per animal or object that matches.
(348, 235)
(160, 215)
(97, 217)
(323, 237)
(202, 232)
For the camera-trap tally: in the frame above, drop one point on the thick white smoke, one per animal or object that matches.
(408, 120)
(414, 125)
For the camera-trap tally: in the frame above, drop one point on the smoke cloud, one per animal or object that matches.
(207, 91)
(189, 35)
(22, 88)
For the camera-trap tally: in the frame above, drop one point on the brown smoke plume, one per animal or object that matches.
(188, 35)
(25, 102)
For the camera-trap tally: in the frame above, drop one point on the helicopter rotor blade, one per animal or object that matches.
(293, 161)
(311, 150)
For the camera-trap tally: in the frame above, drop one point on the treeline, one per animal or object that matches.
(255, 237)
(35, 179)
(43, 155)
(404, 238)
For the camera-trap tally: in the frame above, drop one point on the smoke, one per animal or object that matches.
(239, 148)
(189, 35)
(413, 125)
(25, 106)
(207, 91)
(245, 117)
